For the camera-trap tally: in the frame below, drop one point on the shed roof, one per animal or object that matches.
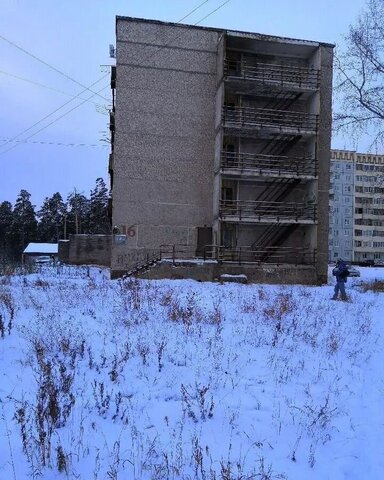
(41, 248)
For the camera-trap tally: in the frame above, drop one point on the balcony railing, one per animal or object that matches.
(240, 255)
(262, 211)
(240, 117)
(264, 165)
(282, 75)
(274, 255)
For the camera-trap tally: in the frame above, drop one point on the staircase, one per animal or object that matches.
(273, 236)
(145, 265)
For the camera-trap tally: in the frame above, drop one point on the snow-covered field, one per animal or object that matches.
(106, 380)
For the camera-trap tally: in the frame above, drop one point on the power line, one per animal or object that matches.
(86, 88)
(176, 37)
(40, 85)
(52, 113)
(56, 119)
(60, 144)
(49, 65)
(193, 11)
(213, 11)
(97, 93)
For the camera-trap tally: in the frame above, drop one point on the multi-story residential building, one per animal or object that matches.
(356, 204)
(221, 144)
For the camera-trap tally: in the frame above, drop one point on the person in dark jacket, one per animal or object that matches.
(341, 273)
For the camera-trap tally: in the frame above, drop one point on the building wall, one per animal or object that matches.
(89, 250)
(164, 143)
(170, 134)
(369, 208)
(341, 206)
(356, 206)
(323, 145)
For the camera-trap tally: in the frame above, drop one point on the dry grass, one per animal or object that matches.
(376, 286)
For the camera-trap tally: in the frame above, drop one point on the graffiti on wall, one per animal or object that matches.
(127, 260)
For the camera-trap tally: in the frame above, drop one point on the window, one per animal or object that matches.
(348, 166)
(346, 221)
(346, 233)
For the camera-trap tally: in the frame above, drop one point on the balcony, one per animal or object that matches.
(240, 211)
(280, 75)
(272, 255)
(251, 165)
(276, 121)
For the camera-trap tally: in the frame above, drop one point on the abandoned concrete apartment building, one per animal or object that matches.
(220, 150)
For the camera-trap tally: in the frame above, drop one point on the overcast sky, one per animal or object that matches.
(73, 37)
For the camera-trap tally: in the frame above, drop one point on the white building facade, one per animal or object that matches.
(356, 207)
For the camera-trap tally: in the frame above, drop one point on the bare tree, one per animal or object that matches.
(360, 76)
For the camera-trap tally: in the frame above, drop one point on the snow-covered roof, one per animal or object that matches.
(41, 248)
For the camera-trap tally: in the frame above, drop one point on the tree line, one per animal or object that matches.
(21, 224)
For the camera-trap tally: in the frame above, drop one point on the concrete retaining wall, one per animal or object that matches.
(88, 250)
(208, 272)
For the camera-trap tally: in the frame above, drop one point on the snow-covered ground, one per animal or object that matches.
(105, 380)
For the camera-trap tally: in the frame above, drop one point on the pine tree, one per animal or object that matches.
(52, 217)
(98, 213)
(24, 223)
(78, 213)
(6, 218)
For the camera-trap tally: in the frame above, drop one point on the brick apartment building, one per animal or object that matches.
(221, 148)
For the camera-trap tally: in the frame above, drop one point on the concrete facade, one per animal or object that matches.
(220, 138)
(356, 205)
